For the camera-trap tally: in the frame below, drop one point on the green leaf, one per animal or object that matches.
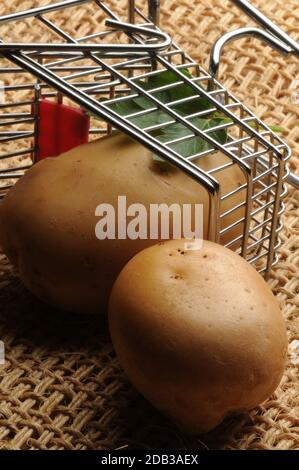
(195, 144)
(166, 133)
(276, 128)
(124, 108)
(195, 106)
(162, 79)
(150, 119)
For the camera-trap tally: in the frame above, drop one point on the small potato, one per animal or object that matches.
(48, 219)
(198, 332)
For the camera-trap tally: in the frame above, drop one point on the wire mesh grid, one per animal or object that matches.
(105, 72)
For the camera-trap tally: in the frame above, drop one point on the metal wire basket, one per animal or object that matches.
(100, 72)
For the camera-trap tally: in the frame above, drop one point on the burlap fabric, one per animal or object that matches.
(61, 386)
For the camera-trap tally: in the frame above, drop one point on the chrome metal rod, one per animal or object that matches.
(241, 33)
(293, 180)
(266, 23)
(277, 44)
(154, 11)
(64, 50)
(131, 11)
(156, 47)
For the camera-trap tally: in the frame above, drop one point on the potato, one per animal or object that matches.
(198, 332)
(48, 219)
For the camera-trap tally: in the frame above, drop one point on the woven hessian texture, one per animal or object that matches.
(61, 386)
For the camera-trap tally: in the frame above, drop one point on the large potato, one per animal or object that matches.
(48, 219)
(199, 333)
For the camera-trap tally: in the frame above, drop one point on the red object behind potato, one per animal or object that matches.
(61, 128)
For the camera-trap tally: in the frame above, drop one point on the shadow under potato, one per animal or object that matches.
(31, 319)
(83, 361)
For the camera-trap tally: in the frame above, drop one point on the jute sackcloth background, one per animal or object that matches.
(61, 386)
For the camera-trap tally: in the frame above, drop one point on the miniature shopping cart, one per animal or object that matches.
(91, 77)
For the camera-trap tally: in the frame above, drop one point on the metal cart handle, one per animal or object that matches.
(267, 24)
(272, 35)
(264, 36)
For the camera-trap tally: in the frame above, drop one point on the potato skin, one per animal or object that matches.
(48, 219)
(199, 333)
